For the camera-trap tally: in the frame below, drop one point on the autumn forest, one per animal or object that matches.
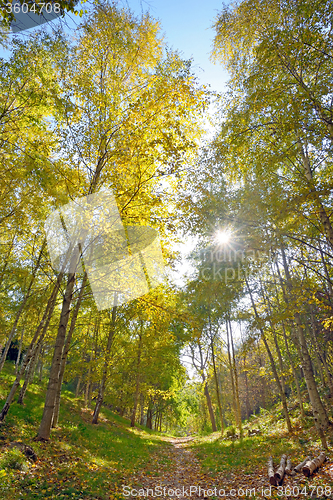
(231, 363)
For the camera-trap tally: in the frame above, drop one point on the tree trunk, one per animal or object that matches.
(272, 362)
(66, 350)
(137, 384)
(46, 422)
(142, 400)
(291, 362)
(41, 366)
(328, 277)
(278, 383)
(315, 359)
(320, 353)
(209, 405)
(29, 375)
(215, 378)
(19, 352)
(101, 391)
(322, 212)
(206, 391)
(236, 382)
(149, 418)
(88, 382)
(232, 375)
(78, 386)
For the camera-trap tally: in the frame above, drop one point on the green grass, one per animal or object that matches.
(221, 455)
(247, 453)
(81, 460)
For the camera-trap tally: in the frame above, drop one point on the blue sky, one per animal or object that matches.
(187, 25)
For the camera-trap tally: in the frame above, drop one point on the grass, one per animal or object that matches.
(220, 455)
(81, 460)
(247, 453)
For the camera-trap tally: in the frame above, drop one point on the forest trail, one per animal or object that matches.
(175, 472)
(175, 469)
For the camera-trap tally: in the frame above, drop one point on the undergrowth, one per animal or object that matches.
(81, 460)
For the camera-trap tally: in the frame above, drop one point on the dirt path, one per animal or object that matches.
(176, 473)
(172, 473)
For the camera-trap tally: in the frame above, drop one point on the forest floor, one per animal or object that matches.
(112, 461)
(208, 467)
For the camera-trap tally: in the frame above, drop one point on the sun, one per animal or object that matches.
(222, 237)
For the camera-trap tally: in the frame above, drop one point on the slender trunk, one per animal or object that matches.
(19, 312)
(206, 391)
(322, 212)
(66, 350)
(90, 391)
(78, 386)
(328, 277)
(45, 425)
(232, 377)
(272, 362)
(291, 362)
(247, 401)
(29, 375)
(137, 384)
(277, 347)
(209, 405)
(236, 382)
(7, 260)
(142, 400)
(19, 352)
(38, 337)
(219, 378)
(149, 418)
(215, 378)
(316, 363)
(41, 365)
(86, 392)
(278, 383)
(87, 389)
(101, 391)
(320, 352)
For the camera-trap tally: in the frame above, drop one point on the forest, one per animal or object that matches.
(106, 167)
